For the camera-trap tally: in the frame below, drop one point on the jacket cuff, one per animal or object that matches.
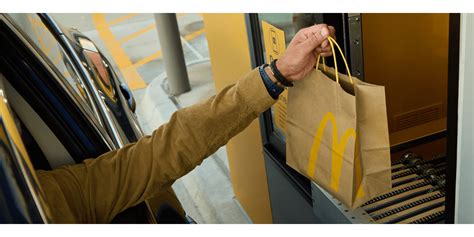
(257, 97)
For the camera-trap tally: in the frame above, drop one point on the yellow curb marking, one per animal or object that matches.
(194, 34)
(122, 18)
(147, 59)
(158, 53)
(136, 34)
(124, 64)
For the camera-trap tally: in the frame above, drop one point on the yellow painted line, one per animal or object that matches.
(35, 30)
(57, 58)
(136, 34)
(194, 34)
(67, 74)
(122, 18)
(142, 31)
(147, 59)
(35, 23)
(157, 54)
(124, 64)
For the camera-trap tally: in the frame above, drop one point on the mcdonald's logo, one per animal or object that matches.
(338, 149)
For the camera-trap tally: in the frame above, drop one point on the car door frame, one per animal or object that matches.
(36, 60)
(23, 183)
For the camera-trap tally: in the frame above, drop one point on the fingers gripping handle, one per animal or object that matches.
(333, 42)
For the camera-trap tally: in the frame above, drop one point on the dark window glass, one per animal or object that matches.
(44, 40)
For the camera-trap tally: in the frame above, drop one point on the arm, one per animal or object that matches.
(123, 178)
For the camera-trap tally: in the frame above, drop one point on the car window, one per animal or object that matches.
(44, 40)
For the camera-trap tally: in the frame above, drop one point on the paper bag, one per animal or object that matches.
(337, 134)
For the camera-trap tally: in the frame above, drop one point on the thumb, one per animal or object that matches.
(316, 39)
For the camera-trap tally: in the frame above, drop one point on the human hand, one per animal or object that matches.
(300, 56)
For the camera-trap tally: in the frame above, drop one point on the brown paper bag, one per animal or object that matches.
(338, 134)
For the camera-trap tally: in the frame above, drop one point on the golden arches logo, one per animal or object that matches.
(338, 149)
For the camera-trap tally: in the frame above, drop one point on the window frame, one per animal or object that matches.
(18, 173)
(80, 133)
(86, 102)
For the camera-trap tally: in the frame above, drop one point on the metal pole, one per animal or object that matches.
(172, 52)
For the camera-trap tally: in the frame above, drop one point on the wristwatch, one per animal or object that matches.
(273, 88)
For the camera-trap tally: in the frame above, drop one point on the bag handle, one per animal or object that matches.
(333, 42)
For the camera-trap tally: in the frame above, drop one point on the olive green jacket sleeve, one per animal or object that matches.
(96, 190)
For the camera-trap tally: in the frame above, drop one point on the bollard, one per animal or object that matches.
(172, 51)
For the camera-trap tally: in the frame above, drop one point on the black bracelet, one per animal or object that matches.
(273, 88)
(278, 75)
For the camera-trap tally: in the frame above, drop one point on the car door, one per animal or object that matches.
(21, 198)
(30, 69)
(54, 93)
